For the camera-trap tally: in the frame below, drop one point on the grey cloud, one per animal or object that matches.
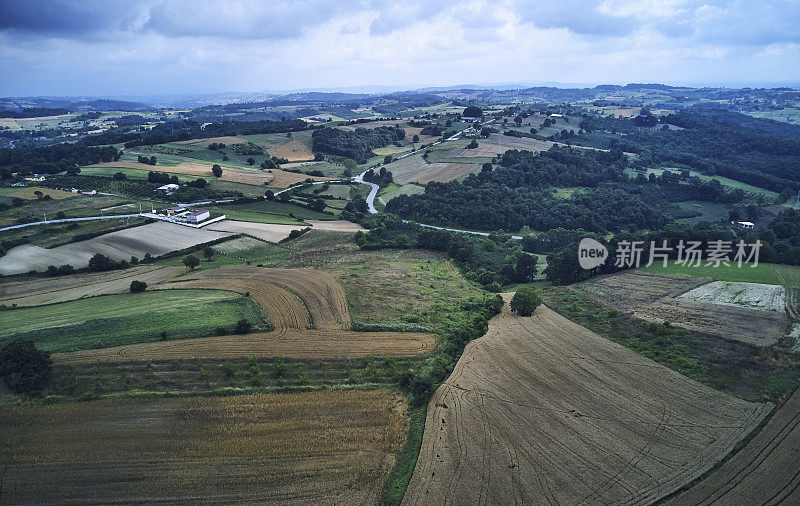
(578, 16)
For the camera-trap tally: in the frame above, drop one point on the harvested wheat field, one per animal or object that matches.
(336, 226)
(27, 291)
(289, 343)
(412, 131)
(305, 448)
(307, 308)
(763, 472)
(269, 232)
(296, 150)
(252, 177)
(155, 238)
(205, 142)
(541, 410)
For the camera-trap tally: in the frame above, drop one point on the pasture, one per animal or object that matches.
(762, 273)
(115, 320)
(320, 447)
(586, 420)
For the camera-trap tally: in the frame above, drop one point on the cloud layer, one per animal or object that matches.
(158, 46)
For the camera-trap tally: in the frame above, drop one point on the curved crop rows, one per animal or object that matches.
(763, 472)
(307, 308)
(37, 291)
(541, 410)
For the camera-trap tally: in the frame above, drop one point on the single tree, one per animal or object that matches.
(525, 301)
(415, 138)
(216, 170)
(191, 261)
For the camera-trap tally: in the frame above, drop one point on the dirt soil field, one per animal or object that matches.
(763, 472)
(632, 290)
(307, 308)
(541, 410)
(284, 179)
(753, 326)
(305, 448)
(155, 238)
(655, 297)
(33, 291)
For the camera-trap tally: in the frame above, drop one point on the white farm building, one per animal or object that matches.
(198, 216)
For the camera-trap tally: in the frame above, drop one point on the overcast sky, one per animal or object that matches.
(141, 47)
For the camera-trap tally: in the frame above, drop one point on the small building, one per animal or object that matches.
(173, 210)
(90, 192)
(745, 225)
(198, 216)
(168, 188)
(37, 177)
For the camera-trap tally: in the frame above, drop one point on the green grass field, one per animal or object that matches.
(773, 274)
(114, 320)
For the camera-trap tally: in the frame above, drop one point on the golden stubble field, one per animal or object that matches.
(542, 410)
(313, 447)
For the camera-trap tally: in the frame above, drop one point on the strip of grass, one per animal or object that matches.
(406, 461)
(114, 320)
(762, 273)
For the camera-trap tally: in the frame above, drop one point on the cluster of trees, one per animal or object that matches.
(149, 161)
(197, 183)
(216, 145)
(382, 178)
(23, 367)
(26, 160)
(357, 144)
(161, 178)
(100, 263)
(434, 130)
(247, 148)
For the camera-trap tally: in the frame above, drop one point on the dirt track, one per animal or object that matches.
(27, 291)
(765, 471)
(541, 410)
(306, 448)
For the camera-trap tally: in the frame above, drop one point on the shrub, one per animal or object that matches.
(243, 326)
(525, 301)
(191, 261)
(138, 286)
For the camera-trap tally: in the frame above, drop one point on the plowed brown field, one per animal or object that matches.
(307, 448)
(541, 410)
(297, 150)
(765, 471)
(26, 291)
(307, 308)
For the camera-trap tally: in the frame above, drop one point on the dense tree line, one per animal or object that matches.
(745, 154)
(382, 178)
(357, 144)
(171, 131)
(53, 159)
(34, 112)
